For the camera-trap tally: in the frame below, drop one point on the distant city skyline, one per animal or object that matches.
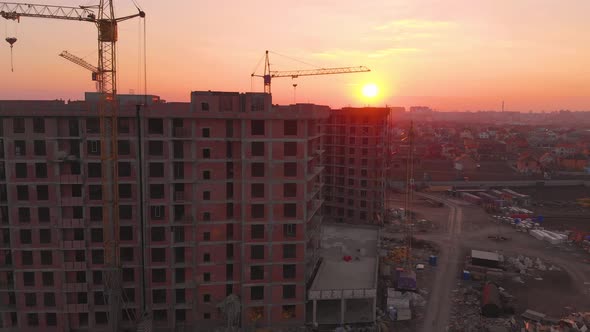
(459, 54)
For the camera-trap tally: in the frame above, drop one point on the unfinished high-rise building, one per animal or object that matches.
(218, 196)
(356, 155)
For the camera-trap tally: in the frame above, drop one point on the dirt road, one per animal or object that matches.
(438, 308)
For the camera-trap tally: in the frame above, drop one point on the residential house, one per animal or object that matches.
(548, 161)
(528, 164)
(434, 151)
(491, 150)
(564, 149)
(465, 163)
(470, 146)
(450, 151)
(466, 133)
(516, 144)
(576, 162)
(484, 135)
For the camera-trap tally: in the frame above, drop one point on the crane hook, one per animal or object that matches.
(11, 41)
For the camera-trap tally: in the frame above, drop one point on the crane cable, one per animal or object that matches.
(145, 60)
(297, 60)
(11, 41)
(314, 66)
(254, 72)
(11, 56)
(138, 7)
(138, 81)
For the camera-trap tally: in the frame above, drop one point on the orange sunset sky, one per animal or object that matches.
(447, 54)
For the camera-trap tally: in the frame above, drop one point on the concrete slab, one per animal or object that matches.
(339, 240)
(334, 275)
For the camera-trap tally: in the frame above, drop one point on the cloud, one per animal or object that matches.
(414, 24)
(398, 37)
(378, 53)
(391, 51)
(394, 38)
(336, 53)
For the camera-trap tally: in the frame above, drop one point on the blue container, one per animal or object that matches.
(466, 275)
(392, 313)
(398, 271)
(432, 260)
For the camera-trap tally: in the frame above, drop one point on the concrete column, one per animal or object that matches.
(342, 310)
(375, 309)
(315, 311)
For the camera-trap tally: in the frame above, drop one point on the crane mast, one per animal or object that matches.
(270, 74)
(108, 114)
(107, 108)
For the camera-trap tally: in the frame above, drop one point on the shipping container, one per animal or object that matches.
(490, 301)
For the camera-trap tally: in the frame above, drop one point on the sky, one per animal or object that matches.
(451, 55)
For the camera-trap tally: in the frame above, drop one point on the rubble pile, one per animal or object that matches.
(578, 321)
(526, 265)
(465, 312)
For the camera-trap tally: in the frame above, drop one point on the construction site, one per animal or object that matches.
(125, 212)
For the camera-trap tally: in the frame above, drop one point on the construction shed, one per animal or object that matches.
(406, 280)
(485, 258)
(490, 301)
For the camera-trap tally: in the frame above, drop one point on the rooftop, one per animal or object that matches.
(338, 241)
(490, 256)
(341, 275)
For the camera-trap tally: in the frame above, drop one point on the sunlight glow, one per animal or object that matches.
(370, 90)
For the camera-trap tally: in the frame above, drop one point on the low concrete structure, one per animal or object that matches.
(485, 258)
(344, 290)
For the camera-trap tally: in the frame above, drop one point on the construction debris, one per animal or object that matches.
(524, 264)
(533, 315)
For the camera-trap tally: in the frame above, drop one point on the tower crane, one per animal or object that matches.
(270, 74)
(103, 16)
(84, 64)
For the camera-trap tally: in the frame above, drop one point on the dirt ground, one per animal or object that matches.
(533, 294)
(435, 217)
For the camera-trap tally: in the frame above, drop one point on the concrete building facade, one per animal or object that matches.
(225, 199)
(356, 161)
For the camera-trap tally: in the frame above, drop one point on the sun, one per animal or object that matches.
(370, 90)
